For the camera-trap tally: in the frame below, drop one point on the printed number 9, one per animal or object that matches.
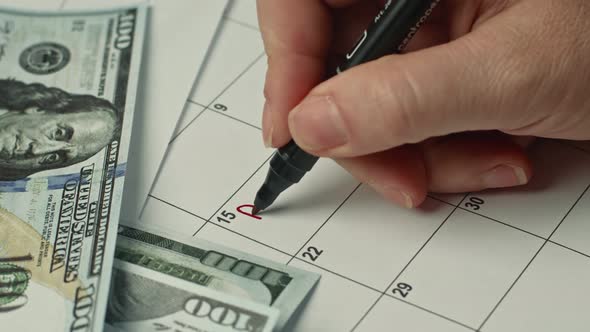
(220, 107)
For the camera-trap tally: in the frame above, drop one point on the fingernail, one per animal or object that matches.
(267, 127)
(317, 124)
(504, 176)
(268, 138)
(395, 195)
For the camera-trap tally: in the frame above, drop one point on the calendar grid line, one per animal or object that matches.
(224, 90)
(196, 103)
(568, 212)
(240, 75)
(569, 248)
(432, 312)
(239, 22)
(233, 118)
(249, 238)
(532, 260)
(408, 264)
(339, 275)
(176, 207)
(487, 217)
(501, 222)
(190, 123)
(441, 200)
(511, 286)
(326, 221)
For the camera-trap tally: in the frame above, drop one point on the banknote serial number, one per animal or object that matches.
(125, 29)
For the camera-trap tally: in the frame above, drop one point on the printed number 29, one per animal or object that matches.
(402, 289)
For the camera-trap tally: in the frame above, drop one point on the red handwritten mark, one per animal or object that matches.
(249, 214)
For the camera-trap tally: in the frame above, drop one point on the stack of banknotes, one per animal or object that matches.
(68, 84)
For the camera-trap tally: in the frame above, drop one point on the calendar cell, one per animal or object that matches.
(400, 316)
(574, 232)
(235, 49)
(163, 216)
(552, 295)
(217, 234)
(297, 213)
(336, 304)
(239, 102)
(561, 176)
(466, 267)
(215, 163)
(370, 240)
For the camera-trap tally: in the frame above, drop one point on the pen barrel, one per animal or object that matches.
(390, 32)
(291, 162)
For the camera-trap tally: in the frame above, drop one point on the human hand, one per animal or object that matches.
(449, 115)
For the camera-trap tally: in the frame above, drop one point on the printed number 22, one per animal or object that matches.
(312, 253)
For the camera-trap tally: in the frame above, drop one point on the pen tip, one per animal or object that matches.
(255, 211)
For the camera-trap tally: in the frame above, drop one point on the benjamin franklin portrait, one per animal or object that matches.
(44, 128)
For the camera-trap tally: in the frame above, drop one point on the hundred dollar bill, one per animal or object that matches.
(148, 300)
(67, 96)
(221, 269)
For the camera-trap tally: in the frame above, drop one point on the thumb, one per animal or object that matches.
(401, 99)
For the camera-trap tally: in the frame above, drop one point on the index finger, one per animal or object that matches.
(297, 37)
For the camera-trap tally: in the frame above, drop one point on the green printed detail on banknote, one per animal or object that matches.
(224, 270)
(68, 84)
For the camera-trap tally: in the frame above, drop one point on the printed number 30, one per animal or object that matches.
(475, 203)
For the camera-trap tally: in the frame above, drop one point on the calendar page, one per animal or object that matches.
(502, 260)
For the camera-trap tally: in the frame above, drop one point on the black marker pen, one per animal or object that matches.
(390, 32)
